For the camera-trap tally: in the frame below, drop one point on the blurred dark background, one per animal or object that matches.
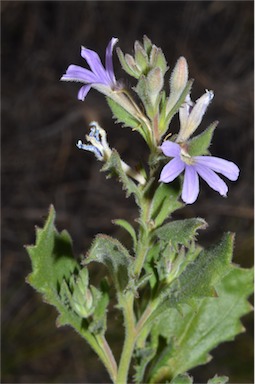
(41, 123)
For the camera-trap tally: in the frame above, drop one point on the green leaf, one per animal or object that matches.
(197, 280)
(53, 265)
(179, 231)
(218, 380)
(114, 256)
(124, 117)
(52, 260)
(214, 321)
(113, 165)
(165, 201)
(128, 227)
(199, 145)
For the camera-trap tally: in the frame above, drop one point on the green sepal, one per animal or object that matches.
(214, 321)
(179, 231)
(165, 202)
(182, 379)
(128, 227)
(218, 380)
(143, 92)
(199, 145)
(114, 256)
(113, 165)
(130, 71)
(98, 324)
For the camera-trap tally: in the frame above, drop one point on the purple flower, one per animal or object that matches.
(204, 166)
(100, 78)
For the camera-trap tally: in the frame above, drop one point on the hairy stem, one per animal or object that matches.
(130, 338)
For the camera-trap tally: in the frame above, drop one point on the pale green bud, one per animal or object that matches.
(141, 58)
(178, 82)
(157, 59)
(155, 82)
(147, 44)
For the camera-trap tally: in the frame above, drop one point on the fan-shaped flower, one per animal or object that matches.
(203, 166)
(100, 78)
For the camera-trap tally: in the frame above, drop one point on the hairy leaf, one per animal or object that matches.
(194, 333)
(114, 256)
(53, 265)
(125, 118)
(180, 231)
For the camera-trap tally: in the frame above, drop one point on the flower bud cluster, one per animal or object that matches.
(84, 298)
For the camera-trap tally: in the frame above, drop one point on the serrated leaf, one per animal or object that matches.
(198, 278)
(114, 256)
(114, 166)
(165, 201)
(199, 145)
(195, 333)
(52, 260)
(128, 227)
(180, 231)
(53, 263)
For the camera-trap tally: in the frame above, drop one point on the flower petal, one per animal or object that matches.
(83, 92)
(170, 149)
(190, 187)
(95, 64)
(76, 73)
(225, 167)
(212, 179)
(171, 170)
(108, 59)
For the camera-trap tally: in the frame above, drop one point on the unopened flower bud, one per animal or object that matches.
(141, 58)
(192, 117)
(178, 82)
(157, 59)
(155, 83)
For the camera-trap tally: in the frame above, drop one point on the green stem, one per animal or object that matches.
(130, 338)
(109, 360)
